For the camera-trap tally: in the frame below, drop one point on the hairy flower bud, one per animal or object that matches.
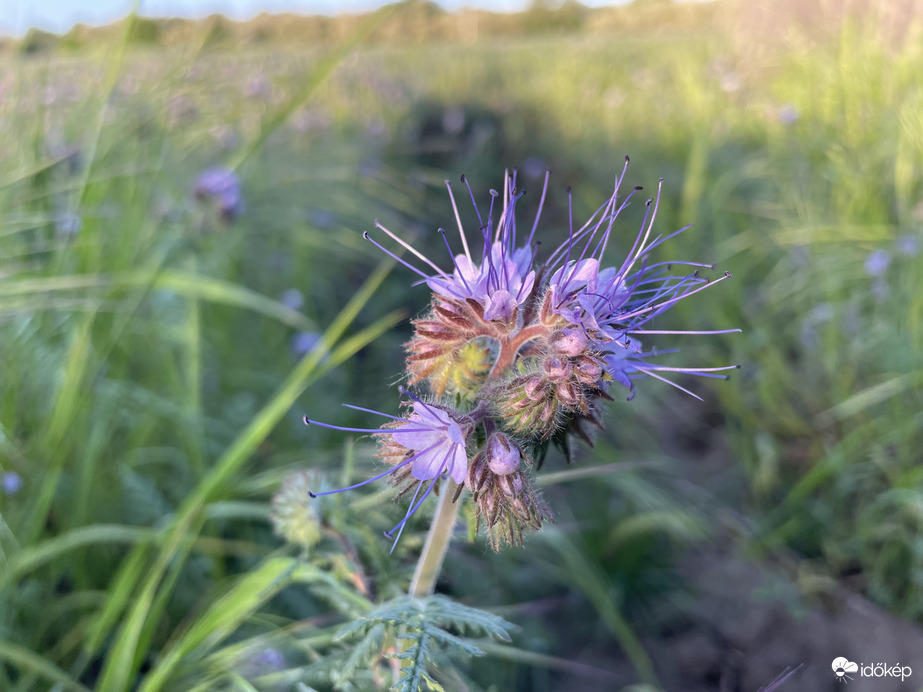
(587, 369)
(526, 405)
(505, 503)
(569, 342)
(557, 368)
(503, 457)
(569, 393)
(294, 517)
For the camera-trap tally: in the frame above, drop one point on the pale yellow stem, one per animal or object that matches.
(437, 543)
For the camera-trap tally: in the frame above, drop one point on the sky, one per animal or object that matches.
(17, 16)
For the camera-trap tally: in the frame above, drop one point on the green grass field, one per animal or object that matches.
(156, 360)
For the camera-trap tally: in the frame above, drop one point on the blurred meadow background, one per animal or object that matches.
(160, 343)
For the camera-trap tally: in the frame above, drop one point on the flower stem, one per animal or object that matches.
(437, 543)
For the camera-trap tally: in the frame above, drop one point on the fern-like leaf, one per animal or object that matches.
(424, 625)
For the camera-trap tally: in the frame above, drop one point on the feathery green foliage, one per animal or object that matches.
(423, 626)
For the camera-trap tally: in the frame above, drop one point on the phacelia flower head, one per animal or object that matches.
(428, 443)
(526, 347)
(222, 186)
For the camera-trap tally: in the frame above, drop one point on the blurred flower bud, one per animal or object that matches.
(294, 516)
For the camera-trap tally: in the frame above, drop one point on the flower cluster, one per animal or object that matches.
(518, 350)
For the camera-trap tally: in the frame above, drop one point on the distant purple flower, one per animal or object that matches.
(223, 187)
(270, 658)
(304, 342)
(258, 86)
(787, 114)
(908, 245)
(68, 224)
(877, 262)
(11, 482)
(293, 299)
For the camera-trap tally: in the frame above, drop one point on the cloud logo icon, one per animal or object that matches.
(841, 666)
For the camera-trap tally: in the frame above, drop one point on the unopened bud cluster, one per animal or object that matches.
(517, 350)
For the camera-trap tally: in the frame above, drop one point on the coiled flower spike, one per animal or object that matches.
(526, 350)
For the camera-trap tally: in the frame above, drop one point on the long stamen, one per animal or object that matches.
(673, 331)
(458, 271)
(473, 203)
(369, 431)
(461, 229)
(727, 275)
(410, 511)
(649, 216)
(377, 413)
(696, 371)
(411, 249)
(570, 226)
(426, 277)
(511, 232)
(541, 205)
(506, 199)
(375, 478)
(664, 379)
(365, 482)
(600, 249)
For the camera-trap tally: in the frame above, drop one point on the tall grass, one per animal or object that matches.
(150, 397)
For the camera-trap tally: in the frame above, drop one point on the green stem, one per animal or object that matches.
(437, 543)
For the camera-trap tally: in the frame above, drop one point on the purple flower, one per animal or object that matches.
(426, 444)
(501, 279)
(68, 224)
(223, 187)
(611, 305)
(270, 658)
(877, 262)
(293, 299)
(908, 245)
(304, 342)
(528, 351)
(11, 482)
(787, 114)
